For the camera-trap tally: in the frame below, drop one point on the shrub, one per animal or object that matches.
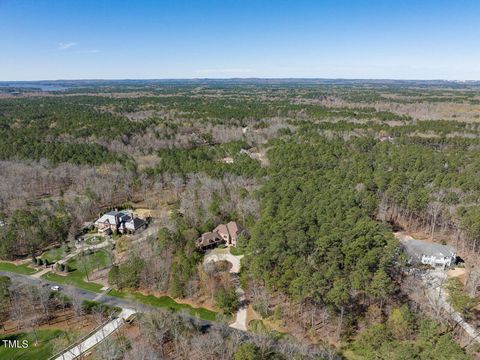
(460, 301)
(246, 351)
(92, 306)
(227, 300)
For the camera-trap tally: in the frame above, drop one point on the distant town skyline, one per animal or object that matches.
(106, 39)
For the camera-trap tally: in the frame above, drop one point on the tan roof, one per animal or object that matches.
(221, 229)
(208, 238)
(232, 229)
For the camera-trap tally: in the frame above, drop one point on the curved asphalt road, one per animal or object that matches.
(92, 296)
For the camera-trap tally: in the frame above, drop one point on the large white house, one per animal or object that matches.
(428, 253)
(121, 221)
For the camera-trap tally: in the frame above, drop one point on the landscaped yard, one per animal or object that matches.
(95, 239)
(43, 350)
(19, 269)
(165, 302)
(79, 266)
(53, 255)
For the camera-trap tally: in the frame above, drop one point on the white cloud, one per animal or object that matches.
(66, 45)
(91, 51)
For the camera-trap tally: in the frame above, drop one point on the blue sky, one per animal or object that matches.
(116, 39)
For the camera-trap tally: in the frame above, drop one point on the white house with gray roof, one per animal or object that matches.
(428, 253)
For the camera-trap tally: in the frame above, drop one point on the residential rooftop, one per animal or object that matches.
(418, 248)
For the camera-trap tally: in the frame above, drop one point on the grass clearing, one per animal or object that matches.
(19, 269)
(53, 255)
(43, 350)
(166, 302)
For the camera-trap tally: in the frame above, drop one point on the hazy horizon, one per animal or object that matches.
(242, 78)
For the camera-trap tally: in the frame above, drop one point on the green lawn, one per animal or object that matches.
(79, 269)
(43, 350)
(19, 269)
(53, 255)
(76, 281)
(92, 240)
(166, 302)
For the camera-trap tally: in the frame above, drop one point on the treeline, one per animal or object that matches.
(27, 232)
(316, 239)
(61, 130)
(25, 148)
(173, 336)
(168, 264)
(209, 160)
(406, 336)
(78, 117)
(432, 186)
(438, 129)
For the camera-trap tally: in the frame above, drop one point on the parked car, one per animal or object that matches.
(55, 288)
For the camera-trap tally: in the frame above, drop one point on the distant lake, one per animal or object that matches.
(42, 87)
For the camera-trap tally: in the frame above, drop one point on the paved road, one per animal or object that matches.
(128, 307)
(150, 231)
(96, 337)
(83, 294)
(225, 255)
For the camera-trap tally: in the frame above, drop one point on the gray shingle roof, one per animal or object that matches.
(417, 248)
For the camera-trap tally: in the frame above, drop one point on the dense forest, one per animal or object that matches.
(317, 174)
